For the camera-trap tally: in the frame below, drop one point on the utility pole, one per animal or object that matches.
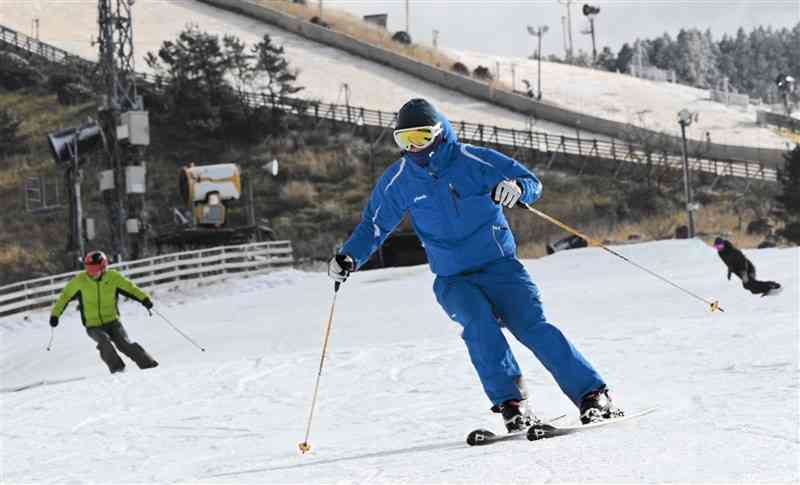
(74, 179)
(117, 72)
(590, 12)
(685, 119)
(435, 38)
(408, 27)
(568, 5)
(513, 77)
(539, 33)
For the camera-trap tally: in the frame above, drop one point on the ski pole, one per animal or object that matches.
(304, 446)
(50, 343)
(179, 330)
(713, 304)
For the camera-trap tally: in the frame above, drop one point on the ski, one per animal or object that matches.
(480, 437)
(548, 430)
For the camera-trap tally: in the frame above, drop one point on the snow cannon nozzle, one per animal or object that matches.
(304, 447)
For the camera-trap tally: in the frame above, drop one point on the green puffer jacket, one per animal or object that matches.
(98, 298)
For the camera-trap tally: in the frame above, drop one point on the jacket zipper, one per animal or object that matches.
(494, 236)
(454, 196)
(99, 306)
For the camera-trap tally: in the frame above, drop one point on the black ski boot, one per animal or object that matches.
(597, 406)
(514, 417)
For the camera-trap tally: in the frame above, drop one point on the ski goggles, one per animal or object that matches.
(417, 139)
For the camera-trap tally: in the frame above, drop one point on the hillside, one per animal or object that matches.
(398, 395)
(640, 102)
(325, 71)
(326, 174)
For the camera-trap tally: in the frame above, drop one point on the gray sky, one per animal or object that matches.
(499, 27)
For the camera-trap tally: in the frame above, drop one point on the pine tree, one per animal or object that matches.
(624, 58)
(607, 60)
(789, 178)
(272, 71)
(195, 71)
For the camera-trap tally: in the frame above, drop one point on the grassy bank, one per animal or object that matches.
(326, 175)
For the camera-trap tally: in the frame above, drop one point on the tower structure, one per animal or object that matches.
(126, 130)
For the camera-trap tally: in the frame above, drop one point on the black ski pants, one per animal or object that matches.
(111, 334)
(755, 286)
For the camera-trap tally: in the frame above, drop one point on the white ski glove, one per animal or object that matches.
(340, 267)
(507, 193)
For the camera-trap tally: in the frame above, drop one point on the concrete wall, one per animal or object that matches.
(777, 119)
(482, 91)
(730, 98)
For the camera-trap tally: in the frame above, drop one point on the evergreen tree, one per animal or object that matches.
(726, 62)
(663, 52)
(624, 58)
(239, 60)
(607, 60)
(750, 61)
(789, 178)
(194, 69)
(272, 71)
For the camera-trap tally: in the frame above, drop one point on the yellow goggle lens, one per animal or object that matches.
(416, 138)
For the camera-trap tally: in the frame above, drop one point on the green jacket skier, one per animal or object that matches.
(97, 291)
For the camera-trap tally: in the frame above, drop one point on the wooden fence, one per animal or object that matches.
(200, 266)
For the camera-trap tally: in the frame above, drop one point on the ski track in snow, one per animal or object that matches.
(398, 395)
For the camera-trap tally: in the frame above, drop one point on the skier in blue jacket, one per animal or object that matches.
(455, 193)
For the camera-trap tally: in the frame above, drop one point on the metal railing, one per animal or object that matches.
(779, 120)
(509, 138)
(175, 269)
(518, 139)
(41, 49)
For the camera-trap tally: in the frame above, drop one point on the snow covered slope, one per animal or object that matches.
(398, 395)
(71, 24)
(647, 104)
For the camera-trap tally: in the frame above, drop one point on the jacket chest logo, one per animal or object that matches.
(420, 197)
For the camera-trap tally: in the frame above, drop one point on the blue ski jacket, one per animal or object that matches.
(452, 211)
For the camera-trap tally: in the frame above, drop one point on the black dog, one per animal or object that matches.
(742, 267)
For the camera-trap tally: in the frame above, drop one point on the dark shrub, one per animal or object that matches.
(402, 37)
(482, 73)
(460, 69)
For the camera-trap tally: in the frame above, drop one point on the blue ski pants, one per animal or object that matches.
(503, 291)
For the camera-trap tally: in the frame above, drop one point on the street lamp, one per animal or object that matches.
(786, 87)
(685, 119)
(539, 33)
(590, 12)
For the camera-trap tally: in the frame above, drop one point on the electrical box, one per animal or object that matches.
(88, 227)
(135, 128)
(106, 179)
(135, 179)
(133, 226)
